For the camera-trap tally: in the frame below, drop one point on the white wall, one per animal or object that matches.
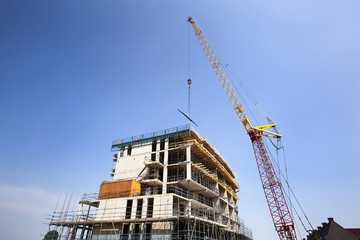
(130, 166)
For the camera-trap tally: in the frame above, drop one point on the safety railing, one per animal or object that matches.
(149, 137)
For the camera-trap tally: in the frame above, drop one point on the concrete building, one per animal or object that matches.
(170, 184)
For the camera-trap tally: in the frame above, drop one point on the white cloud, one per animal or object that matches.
(28, 207)
(26, 200)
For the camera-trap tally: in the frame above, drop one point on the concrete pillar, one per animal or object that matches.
(145, 206)
(126, 151)
(134, 208)
(165, 171)
(188, 162)
(157, 148)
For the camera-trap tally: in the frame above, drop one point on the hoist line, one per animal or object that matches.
(189, 80)
(286, 193)
(296, 225)
(286, 175)
(293, 194)
(188, 51)
(241, 95)
(189, 102)
(288, 185)
(277, 159)
(277, 147)
(247, 91)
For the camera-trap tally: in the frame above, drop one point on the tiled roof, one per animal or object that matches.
(331, 231)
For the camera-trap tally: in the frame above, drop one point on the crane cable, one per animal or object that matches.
(248, 109)
(278, 146)
(286, 194)
(248, 93)
(293, 194)
(189, 79)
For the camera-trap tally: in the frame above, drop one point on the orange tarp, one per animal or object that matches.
(119, 189)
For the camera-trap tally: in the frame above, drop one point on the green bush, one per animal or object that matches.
(51, 235)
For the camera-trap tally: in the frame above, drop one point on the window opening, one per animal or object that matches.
(126, 230)
(150, 208)
(161, 157)
(161, 172)
(136, 234)
(122, 150)
(154, 146)
(162, 144)
(128, 209)
(148, 228)
(139, 208)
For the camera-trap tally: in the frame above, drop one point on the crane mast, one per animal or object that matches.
(275, 197)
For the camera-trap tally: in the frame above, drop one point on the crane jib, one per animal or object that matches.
(281, 216)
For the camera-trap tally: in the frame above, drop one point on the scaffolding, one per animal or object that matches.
(170, 184)
(146, 221)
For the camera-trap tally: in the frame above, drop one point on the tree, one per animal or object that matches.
(317, 237)
(51, 235)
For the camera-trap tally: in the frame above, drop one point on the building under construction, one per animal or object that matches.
(170, 184)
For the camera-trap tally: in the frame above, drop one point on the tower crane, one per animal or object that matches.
(275, 197)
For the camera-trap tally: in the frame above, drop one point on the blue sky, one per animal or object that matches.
(75, 75)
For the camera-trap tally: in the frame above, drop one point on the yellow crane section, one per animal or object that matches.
(229, 90)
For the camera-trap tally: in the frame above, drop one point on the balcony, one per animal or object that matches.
(189, 195)
(204, 182)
